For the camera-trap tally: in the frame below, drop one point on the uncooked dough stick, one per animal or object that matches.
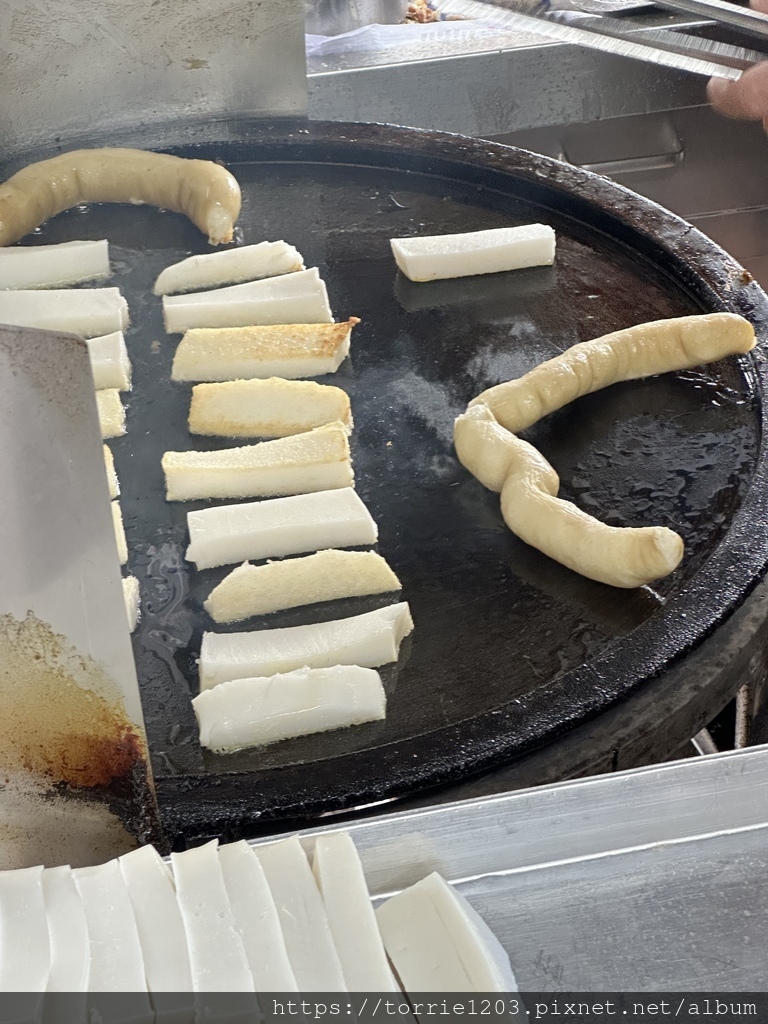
(621, 556)
(657, 347)
(204, 191)
(624, 556)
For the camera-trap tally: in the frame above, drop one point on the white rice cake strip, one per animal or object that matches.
(299, 298)
(308, 940)
(318, 460)
(89, 312)
(339, 874)
(255, 712)
(158, 920)
(257, 919)
(246, 263)
(112, 481)
(110, 364)
(433, 257)
(438, 943)
(111, 413)
(216, 954)
(117, 522)
(117, 963)
(26, 955)
(53, 266)
(369, 640)
(279, 350)
(325, 576)
(131, 597)
(280, 526)
(266, 408)
(67, 932)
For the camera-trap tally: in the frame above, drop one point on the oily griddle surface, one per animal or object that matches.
(509, 647)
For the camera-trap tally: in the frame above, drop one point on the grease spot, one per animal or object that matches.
(62, 721)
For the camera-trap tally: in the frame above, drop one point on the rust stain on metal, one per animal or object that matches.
(62, 720)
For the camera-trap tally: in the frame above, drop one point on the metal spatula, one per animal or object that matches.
(77, 784)
(568, 22)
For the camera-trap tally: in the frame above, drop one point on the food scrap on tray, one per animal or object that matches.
(488, 447)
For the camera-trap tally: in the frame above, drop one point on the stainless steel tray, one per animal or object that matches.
(648, 880)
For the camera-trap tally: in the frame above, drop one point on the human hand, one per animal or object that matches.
(748, 97)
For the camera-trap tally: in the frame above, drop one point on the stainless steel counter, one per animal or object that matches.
(642, 881)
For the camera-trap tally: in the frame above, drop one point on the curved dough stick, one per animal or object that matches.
(657, 347)
(207, 193)
(620, 556)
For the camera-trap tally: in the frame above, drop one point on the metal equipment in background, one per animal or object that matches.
(76, 67)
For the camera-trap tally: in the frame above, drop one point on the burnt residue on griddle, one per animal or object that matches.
(64, 725)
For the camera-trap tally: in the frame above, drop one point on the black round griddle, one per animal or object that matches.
(510, 650)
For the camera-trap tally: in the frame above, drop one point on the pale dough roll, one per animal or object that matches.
(657, 347)
(206, 192)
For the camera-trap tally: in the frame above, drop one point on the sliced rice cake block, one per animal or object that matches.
(245, 263)
(257, 919)
(307, 935)
(53, 266)
(437, 942)
(158, 920)
(111, 413)
(112, 482)
(325, 576)
(279, 350)
(266, 408)
(340, 877)
(26, 953)
(433, 257)
(67, 933)
(370, 640)
(299, 298)
(317, 460)
(131, 597)
(279, 526)
(216, 954)
(254, 712)
(117, 962)
(117, 522)
(110, 364)
(89, 312)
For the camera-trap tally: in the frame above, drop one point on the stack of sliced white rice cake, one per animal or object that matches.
(234, 919)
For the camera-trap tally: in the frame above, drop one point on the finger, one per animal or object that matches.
(759, 5)
(746, 98)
